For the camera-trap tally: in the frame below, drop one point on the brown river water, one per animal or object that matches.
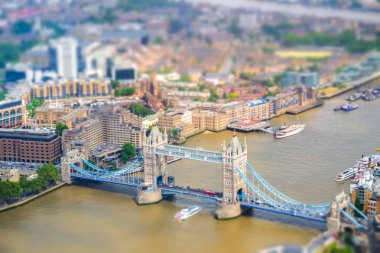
(83, 219)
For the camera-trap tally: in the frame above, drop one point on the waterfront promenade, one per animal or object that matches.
(353, 84)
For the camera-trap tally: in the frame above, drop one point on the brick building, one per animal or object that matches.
(24, 145)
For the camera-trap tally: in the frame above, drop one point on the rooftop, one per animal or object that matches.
(257, 102)
(28, 135)
(9, 104)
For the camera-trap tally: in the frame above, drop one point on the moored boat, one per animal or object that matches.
(349, 107)
(289, 131)
(348, 173)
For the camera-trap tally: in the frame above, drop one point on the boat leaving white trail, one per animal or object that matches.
(187, 213)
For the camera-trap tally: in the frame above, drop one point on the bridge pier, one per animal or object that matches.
(227, 211)
(147, 197)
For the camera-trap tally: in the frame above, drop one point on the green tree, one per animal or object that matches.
(175, 26)
(115, 84)
(185, 78)
(140, 110)
(33, 105)
(129, 5)
(9, 53)
(58, 30)
(125, 92)
(60, 127)
(234, 28)
(173, 134)
(128, 151)
(268, 49)
(21, 27)
(234, 95)
(48, 174)
(246, 76)
(9, 191)
(158, 40)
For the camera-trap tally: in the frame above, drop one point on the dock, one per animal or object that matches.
(248, 125)
(305, 108)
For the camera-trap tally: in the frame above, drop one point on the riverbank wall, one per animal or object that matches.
(31, 198)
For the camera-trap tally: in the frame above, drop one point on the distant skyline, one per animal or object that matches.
(299, 10)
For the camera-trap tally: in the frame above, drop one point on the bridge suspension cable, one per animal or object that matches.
(279, 203)
(282, 196)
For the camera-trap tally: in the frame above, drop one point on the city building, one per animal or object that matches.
(294, 97)
(73, 88)
(50, 115)
(124, 71)
(70, 118)
(102, 128)
(307, 78)
(63, 114)
(65, 57)
(260, 109)
(12, 114)
(209, 120)
(173, 118)
(30, 146)
(367, 192)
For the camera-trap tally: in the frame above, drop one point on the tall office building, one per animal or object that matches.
(65, 57)
(124, 71)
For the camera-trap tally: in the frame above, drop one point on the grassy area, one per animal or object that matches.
(303, 54)
(330, 90)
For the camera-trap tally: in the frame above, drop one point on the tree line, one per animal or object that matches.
(347, 39)
(47, 175)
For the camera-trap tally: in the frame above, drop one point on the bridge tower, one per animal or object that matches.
(73, 156)
(334, 218)
(234, 187)
(154, 167)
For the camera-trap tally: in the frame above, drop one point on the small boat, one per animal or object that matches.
(349, 107)
(369, 97)
(354, 97)
(337, 108)
(187, 213)
(348, 173)
(289, 131)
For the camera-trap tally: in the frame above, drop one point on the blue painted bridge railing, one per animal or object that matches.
(190, 153)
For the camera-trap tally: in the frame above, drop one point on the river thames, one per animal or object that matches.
(82, 219)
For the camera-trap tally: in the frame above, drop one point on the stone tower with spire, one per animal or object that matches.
(154, 165)
(234, 157)
(234, 187)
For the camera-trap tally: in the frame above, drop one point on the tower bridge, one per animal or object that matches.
(238, 190)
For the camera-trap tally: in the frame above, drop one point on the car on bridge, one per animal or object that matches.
(210, 193)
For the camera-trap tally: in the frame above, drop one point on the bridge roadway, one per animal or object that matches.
(193, 192)
(190, 153)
